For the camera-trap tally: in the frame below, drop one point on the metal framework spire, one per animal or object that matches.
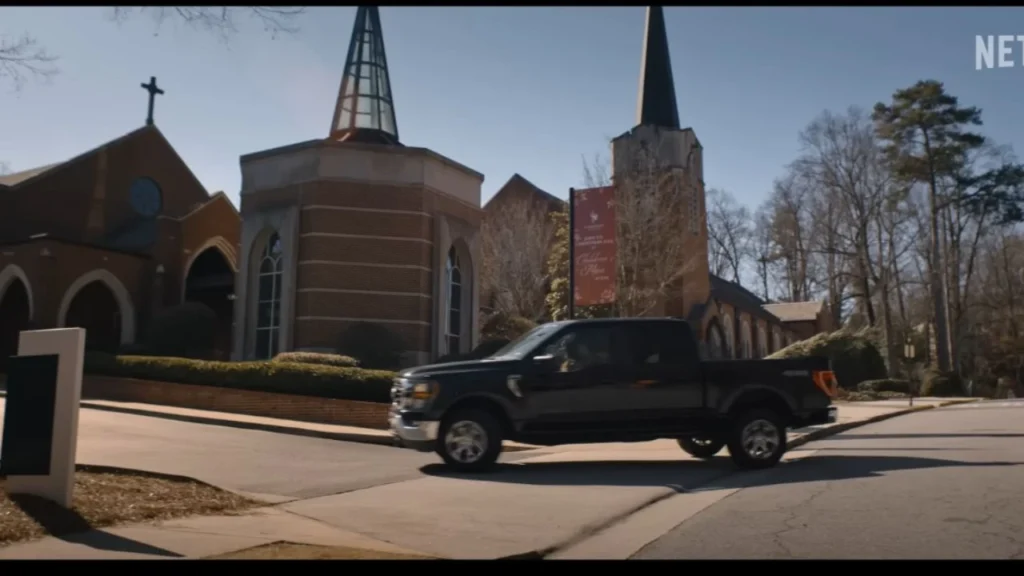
(656, 104)
(365, 111)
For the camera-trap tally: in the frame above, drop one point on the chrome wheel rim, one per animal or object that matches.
(760, 439)
(702, 441)
(466, 441)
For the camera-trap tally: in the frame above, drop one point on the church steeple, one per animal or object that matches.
(656, 104)
(365, 111)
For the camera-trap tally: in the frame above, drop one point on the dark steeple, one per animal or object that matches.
(656, 105)
(365, 111)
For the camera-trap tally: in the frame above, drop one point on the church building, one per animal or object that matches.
(731, 321)
(358, 227)
(108, 239)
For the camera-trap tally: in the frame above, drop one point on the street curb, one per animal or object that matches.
(357, 437)
(840, 428)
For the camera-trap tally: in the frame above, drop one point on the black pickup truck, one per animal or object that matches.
(610, 380)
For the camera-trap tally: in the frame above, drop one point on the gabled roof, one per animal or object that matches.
(530, 186)
(741, 298)
(8, 180)
(26, 176)
(796, 311)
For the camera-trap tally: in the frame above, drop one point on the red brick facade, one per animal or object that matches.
(69, 224)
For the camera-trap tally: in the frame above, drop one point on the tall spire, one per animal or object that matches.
(365, 111)
(656, 105)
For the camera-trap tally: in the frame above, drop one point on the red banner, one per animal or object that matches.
(594, 245)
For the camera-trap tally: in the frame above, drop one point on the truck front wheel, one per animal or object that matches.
(701, 447)
(757, 439)
(469, 440)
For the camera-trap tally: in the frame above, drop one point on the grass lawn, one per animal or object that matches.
(292, 551)
(105, 497)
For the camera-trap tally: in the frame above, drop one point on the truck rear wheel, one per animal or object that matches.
(470, 440)
(701, 447)
(757, 439)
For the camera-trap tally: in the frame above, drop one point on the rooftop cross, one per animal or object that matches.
(153, 91)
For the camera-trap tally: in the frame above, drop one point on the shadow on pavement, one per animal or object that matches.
(70, 526)
(682, 475)
(678, 474)
(912, 436)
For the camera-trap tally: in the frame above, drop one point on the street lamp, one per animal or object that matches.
(908, 354)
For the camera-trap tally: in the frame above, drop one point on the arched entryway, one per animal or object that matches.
(95, 308)
(15, 315)
(211, 281)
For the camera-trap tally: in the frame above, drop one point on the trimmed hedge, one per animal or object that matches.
(317, 358)
(278, 377)
(501, 327)
(885, 385)
(853, 356)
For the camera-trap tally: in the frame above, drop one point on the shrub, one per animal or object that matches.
(483, 350)
(373, 345)
(188, 330)
(936, 383)
(885, 385)
(279, 377)
(501, 327)
(853, 357)
(317, 358)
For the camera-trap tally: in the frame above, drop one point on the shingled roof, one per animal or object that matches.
(796, 311)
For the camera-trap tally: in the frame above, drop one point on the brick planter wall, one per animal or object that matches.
(252, 403)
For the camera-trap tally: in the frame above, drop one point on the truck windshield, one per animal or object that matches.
(519, 347)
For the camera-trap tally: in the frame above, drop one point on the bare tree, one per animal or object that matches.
(516, 238)
(23, 57)
(652, 203)
(728, 234)
(763, 250)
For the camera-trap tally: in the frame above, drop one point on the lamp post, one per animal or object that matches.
(908, 354)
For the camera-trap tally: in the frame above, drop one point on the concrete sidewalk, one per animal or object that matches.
(532, 507)
(195, 537)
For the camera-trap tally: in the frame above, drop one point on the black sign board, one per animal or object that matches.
(28, 417)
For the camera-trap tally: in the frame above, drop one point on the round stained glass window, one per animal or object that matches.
(145, 197)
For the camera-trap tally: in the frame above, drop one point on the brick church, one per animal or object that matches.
(109, 238)
(731, 321)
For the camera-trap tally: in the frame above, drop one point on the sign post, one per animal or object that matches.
(593, 248)
(40, 435)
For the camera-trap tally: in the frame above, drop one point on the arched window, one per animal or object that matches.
(453, 326)
(714, 351)
(762, 342)
(730, 336)
(745, 344)
(268, 313)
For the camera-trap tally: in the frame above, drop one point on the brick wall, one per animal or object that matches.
(252, 403)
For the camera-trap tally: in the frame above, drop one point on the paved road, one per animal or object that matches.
(941, 484)
(251, 461)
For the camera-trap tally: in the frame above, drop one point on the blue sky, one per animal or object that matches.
(502, 90)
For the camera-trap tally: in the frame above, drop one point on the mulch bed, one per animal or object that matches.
(105, 497)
